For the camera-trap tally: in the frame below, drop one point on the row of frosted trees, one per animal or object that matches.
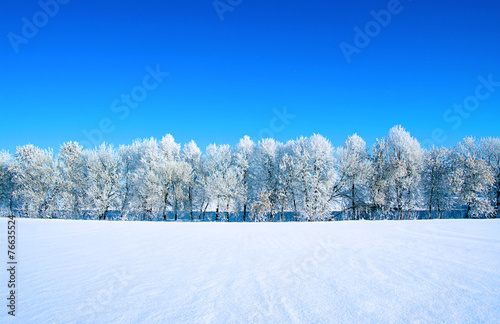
(304, 179)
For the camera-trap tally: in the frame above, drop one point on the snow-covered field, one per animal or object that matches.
(340, 272)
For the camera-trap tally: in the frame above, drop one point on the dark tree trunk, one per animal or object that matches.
(295, 209)
(201, 210)
(191, 202)
(497, 207)
(468, 210)
(165, 203)
(11, 202)
(430, 202)
(204, 210)
(217, 211)
(353, 204)
(245, 212)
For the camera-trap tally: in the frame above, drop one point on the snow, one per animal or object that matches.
(177, 272)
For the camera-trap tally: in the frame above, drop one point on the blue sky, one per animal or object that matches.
(226, 77)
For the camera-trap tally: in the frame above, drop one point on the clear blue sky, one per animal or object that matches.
(226, 76)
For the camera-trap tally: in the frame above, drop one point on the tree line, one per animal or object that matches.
(307, 178)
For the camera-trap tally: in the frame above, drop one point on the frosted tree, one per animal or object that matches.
(323, 177)
(192, 156)
(472, 179)
(130, 159)
(490, 153)
(212, 169)
(266, 162)
(220, 179)
(145, 181)
(231, 190)
(436, 180)
(315, 172)
(260, 207)
(181, 176)
(169, 148)
(204, 180)
(73, 169)
(243, 157)
(379, 180)
(287, 184)
(164, 167)
(288, 179)
(405, 162)
(354, 169)
(157, 178)
(104, 175)
(301, 155)
(173, 175)
(6, 182)
(36, 179)
(306, 176)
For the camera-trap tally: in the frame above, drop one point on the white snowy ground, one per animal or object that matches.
(439, 271)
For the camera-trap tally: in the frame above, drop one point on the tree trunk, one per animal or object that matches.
(497, 207)
(191, 202)
(204, 210)
(227, 210)
(430, 203)
(217, 211)
(165, 203)
(244, 212)
(295, 209)
(201, 210)
(468, 210)
(353, 204)
(11, 202)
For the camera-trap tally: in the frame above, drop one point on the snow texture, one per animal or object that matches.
(427, 271)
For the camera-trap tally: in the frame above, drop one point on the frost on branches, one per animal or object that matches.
(303, 179)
